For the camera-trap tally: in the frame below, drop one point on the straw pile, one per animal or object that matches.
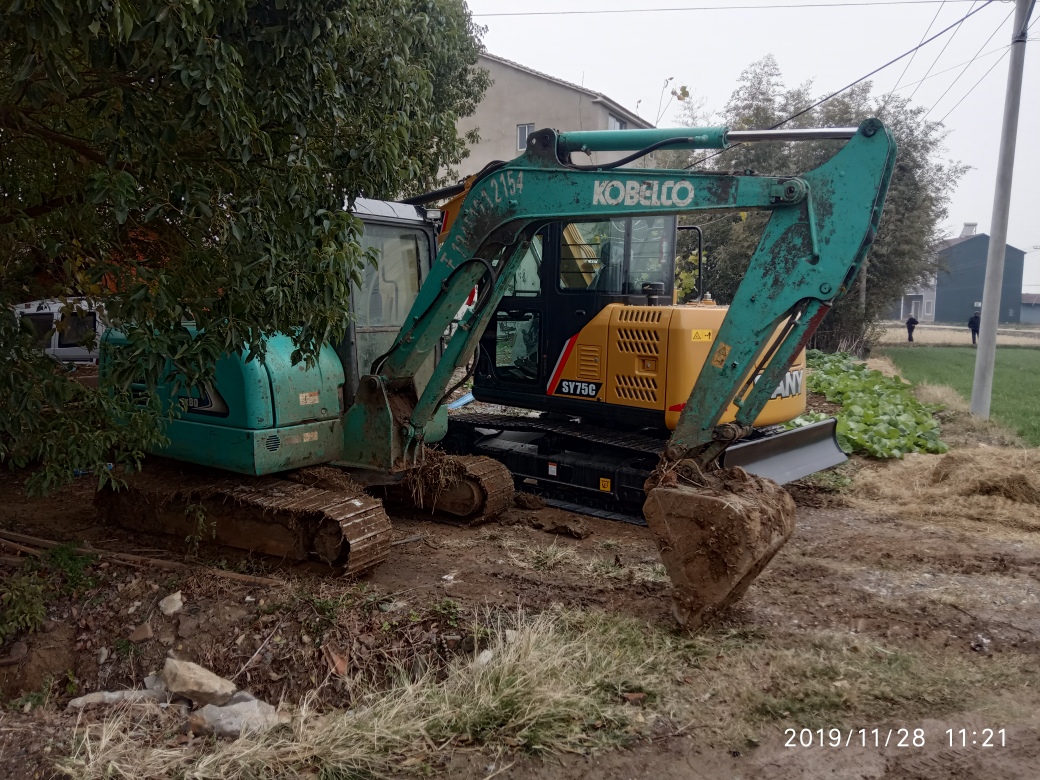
(992, 485)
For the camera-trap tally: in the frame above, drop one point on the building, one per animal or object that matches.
(956, 291)
(1031, 308)
(521, 100)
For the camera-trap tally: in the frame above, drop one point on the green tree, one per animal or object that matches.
(191, 160)
(915, 209)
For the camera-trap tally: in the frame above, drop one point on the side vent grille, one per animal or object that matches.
(272, 442)
(588, 362)
(640, 314)
(639, 341)
(636, 388)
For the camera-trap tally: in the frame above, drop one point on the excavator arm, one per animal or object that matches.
(821, 227)
(715, 528)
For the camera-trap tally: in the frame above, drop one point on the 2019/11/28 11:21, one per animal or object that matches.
(987, 733)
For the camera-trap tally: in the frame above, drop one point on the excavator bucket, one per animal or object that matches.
(716, 533)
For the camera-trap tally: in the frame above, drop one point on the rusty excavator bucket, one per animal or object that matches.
(715, 533)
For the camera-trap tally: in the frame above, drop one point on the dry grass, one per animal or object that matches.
(997, 486)
(554, 682)
(556, 556)
(959, 427)
(896, 336)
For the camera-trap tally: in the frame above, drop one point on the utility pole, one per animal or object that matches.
(982, 386)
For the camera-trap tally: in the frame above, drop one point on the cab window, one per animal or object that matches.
(527, 282)
(592, 256)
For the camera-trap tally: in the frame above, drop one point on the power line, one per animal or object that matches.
(911, 61)
(991, 67)
(939, 55)
(719, 8)
(965, 70)
(857, 81)
(954, 67)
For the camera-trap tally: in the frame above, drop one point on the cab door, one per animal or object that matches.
(512, 346)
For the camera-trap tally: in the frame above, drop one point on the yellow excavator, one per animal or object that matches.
(641, 400)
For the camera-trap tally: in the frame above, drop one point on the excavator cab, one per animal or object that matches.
(570, 273)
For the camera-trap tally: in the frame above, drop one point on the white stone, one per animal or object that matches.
(154, 682)
(172, 604)
(195, 682)
(102, 655)
(483, 659)
(232, 720)
(116, 697)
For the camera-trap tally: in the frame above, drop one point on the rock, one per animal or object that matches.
(47, 626)
(196, 683)
(511, 636)
(172, 604)
(483, 659)
(19, 650)
(102, 655)
(186, 627)
(232, 720)
(141, 634)
(241, 697)
(528, 501)
(116, 697)
(567, 526)
(154, 682)
(635, 699)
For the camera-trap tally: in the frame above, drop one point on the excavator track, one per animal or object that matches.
(266, 515)
(478, 489)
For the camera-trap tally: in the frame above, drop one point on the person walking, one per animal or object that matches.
(911, 323)
(973, 324)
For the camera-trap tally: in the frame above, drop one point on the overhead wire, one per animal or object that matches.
(965, 69)
(911, 60)
(600, 11)
(991, 67)
(857, 81)
(938, 57)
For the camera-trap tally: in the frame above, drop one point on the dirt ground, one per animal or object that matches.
(895, 586)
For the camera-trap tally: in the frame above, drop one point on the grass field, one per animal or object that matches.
(1016, 402)
(896, 336)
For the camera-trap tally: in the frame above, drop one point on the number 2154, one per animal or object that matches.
(982, 738)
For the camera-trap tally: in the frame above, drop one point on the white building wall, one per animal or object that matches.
(518, 96)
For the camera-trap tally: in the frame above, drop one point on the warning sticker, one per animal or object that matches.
(552, 469)
(700, 335)
(720, 355)
(604, 484)
(307, 399)
(310, 436)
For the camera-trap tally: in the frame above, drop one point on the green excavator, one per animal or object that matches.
(277, 454)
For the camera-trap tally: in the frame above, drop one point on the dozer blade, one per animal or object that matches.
(716, 537)
(472, 489)
(265, 515)
(791, 455)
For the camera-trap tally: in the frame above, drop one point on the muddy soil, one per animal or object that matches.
(895, 583)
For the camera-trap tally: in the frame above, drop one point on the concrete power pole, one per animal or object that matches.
(982, 386)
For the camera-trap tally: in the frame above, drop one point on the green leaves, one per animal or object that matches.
(878, 414)
(193, 160)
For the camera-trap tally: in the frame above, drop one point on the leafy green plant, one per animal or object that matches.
(72, 566)
(22, 606)
(196, 514)
(448, 610)
(878, 414)
(126, 649)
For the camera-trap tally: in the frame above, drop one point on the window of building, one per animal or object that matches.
(613, 123)
(928, 308)
(522, 131)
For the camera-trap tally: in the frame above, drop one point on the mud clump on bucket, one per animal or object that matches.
(716, 536)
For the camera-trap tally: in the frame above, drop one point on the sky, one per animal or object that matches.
(627, 56)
